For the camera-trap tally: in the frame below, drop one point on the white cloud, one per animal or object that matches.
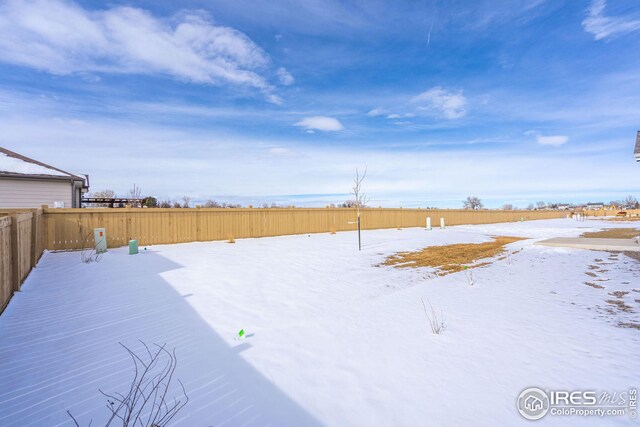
(376, 112)
(602, 26)
(285, 77)
(450, 104)
(554, 140)
(62, 38)
(320, 123)
(279, 151)
(400, 116)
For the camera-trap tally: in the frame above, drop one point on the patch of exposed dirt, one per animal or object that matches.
(620, 304)
(591, 273)
(618, 294)
(452, 258)
(633, 255)
(593, 285)
(613, 233)
(631, 325)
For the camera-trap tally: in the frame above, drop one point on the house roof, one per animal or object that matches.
(16, 165)
(637, 150)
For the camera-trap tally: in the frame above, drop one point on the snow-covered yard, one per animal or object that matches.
(331, 337)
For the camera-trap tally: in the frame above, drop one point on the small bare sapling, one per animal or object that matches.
(437, 321)
(469, 275)
(88, 254)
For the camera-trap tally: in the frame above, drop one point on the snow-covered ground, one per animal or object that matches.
(331, 338)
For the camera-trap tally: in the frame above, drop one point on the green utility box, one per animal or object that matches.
(133, 247)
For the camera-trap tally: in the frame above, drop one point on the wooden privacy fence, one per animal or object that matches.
(607, 212)
(21, 245)
(73, 228)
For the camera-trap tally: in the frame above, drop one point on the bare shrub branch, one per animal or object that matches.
(146, 403)
(437, 322)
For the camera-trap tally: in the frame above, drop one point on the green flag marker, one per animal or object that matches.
(241, 333)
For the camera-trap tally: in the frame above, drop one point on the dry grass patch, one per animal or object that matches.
(593, 285)
(451, 258)
(631, 325)
(613, 233)
(618, 294)
(624, 218)
(620, 304)
(633, 255)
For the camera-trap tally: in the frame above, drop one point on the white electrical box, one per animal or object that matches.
(100, 237)
(58, 205)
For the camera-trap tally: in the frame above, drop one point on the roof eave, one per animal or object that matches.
(41, 177)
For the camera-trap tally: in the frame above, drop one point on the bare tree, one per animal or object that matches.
(473, 202)
(164, 203)
(530, 207)
(348, 204)
(146, 403)
(631, 202)
(211, 204)
(540, 205)
(104, 194)
(135, 192)
(186, 201)
(360, 198)
(507, 207)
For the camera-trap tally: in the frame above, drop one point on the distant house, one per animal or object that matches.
(564, 206)
(595, 206)
(637, 150)
(28, 183)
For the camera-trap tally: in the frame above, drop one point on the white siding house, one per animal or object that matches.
(28, 183)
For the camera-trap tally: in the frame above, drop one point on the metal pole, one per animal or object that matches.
(359, 243)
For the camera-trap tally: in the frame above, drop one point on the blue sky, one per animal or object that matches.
(259, 101)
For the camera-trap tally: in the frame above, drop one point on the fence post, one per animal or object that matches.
(127, 224)
(34, 237)
(199, 224)
(15, 265)
(45, 229)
